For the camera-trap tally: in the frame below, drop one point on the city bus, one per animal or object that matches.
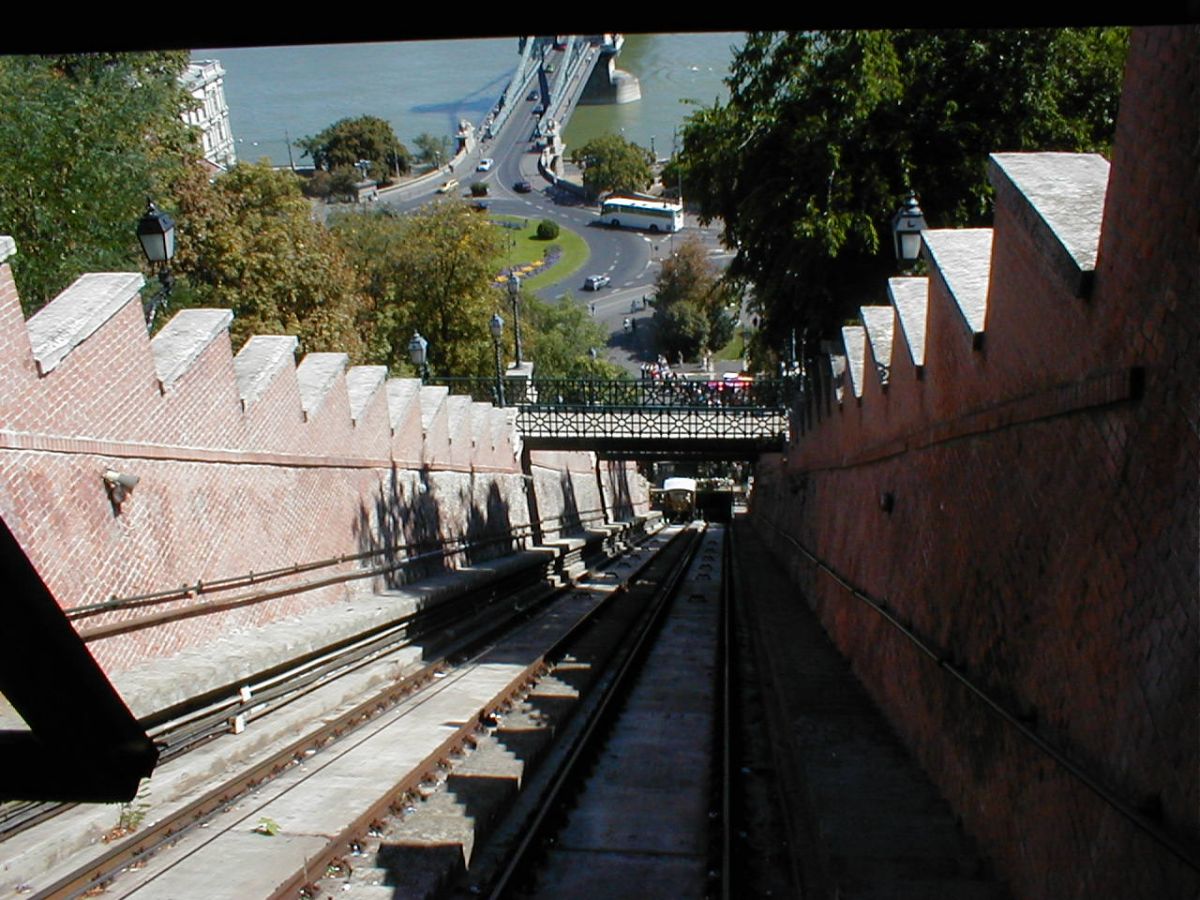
(639, 212)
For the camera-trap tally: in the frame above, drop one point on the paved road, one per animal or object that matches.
(630, 258)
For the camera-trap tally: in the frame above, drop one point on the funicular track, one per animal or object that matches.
(169, 836)
(639, 803)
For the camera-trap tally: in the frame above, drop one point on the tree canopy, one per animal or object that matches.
(433, 150)
(248, 241)
(611, 163)
(432, 272)
(692, 303)
(824, 133)
(84, 140)
(560, 336)
(343, 144)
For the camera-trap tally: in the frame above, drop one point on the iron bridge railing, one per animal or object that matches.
(646, 409)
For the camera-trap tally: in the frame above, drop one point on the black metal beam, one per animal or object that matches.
(83, 744)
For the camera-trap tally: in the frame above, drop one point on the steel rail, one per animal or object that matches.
(351, 837)
(107, 866)
(280, 687)
(598, 715)
(185, 726)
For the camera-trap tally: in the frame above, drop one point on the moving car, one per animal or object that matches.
(448, 186)
(485, 165)
(522, 187)
(595, 282)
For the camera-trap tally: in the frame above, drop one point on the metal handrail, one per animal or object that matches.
(668, 393)
(1184, 853)
(441, 550)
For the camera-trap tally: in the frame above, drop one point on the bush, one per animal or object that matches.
(319, 185)
(547, 230)
(332, 186)
(478, 189)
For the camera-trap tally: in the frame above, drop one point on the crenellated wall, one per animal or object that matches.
(1008, 463)
(245, 463)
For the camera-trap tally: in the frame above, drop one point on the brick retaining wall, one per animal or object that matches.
(1028, 505)
(245, 463)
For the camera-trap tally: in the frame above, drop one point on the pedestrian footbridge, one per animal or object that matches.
(644, 418)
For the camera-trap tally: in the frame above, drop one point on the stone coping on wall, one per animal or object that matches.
(77, 313)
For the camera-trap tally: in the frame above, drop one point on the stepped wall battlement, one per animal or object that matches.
(1005, 457)
(245, 463)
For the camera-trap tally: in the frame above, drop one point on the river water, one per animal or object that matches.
(277, 93)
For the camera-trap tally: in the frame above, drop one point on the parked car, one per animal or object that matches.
(522, 187)
(595, 282)
(448, 186)
(485, 165)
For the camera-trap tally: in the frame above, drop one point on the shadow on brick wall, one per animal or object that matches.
(622, 499)
(404, 522)
(491, 521)
(570, 519)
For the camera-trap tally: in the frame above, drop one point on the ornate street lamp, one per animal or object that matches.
(156, 233)
(496, 326)
(514, 296)
(907, 225)
(418, 352)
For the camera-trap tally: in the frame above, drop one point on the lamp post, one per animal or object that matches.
(514, 296)
(907, 225)
(156, 233)
(418, 352)
(497, 328)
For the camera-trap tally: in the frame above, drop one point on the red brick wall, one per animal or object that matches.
(225, 491)
(1044, 541)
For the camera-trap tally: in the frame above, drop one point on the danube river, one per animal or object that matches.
(277, 93)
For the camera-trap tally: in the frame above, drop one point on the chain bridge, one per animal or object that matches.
(681, 418)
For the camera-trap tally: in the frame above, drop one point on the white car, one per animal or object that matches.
(485, 165)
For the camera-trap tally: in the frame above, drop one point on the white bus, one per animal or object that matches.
(638, 212)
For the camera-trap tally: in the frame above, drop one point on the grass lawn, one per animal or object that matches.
(733, 350)
(524, 249)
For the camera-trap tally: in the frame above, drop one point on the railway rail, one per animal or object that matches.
(433, 679)
(672, 724)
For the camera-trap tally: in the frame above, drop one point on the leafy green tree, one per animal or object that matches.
(341, 146)
(559, 337)
(611, 163)
(432, 272)
(671, 177)
(688, 277)
(681, 328)
(84, 140)
(824, 133)
(249, 242)
(433, 150)
(340, 185)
